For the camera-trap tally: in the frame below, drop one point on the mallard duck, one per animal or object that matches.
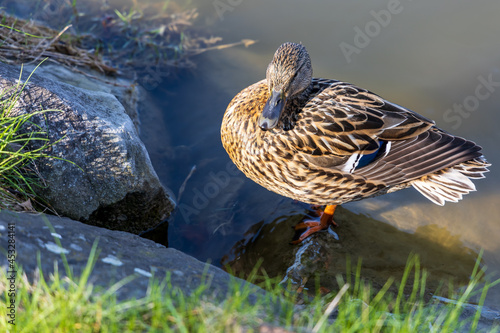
(327, 142)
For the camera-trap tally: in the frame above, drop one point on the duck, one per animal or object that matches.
(326, 142)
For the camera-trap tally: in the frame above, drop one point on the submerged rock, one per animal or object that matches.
(112, 182)
(325, 256)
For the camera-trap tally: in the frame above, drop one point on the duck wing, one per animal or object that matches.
(352, 129)
(343, 119)
(421, 155)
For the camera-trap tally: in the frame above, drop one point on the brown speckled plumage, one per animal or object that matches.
(326, 126)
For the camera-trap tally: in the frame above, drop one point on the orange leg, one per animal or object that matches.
(326, 219)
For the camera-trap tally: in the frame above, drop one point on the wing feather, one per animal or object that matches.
(341, 120)
(427, 153)
(348, 120)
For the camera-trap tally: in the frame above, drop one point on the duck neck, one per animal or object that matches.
(293, 108)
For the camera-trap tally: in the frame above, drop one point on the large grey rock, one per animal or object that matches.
(121, 254)
(116, 187)
(128, 94)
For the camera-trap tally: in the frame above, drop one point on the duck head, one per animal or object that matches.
(288, 75)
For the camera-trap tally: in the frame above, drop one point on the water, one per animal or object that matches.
(432, 57)
(426, 56)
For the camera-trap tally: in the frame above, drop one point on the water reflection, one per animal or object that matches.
(384, 251)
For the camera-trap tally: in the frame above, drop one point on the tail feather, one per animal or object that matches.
(414, 158)
(475, 168)
(452, 183)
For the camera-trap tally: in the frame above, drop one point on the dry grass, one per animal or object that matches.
(112, 41)
(27, 42)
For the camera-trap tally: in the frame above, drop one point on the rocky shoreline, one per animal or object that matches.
(110, 194)
(143, 258)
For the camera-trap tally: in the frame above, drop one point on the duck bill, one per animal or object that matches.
(272, 111)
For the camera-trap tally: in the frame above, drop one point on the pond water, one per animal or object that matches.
(435, 58)
(428, 56)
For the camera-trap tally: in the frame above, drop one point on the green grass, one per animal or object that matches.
(67, 303)
(18, 173)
